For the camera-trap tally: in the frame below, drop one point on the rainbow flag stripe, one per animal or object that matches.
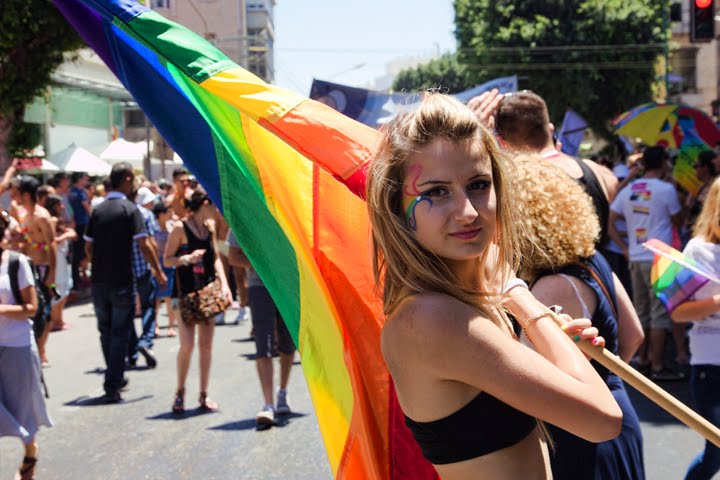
(674, 277)
(271, 159)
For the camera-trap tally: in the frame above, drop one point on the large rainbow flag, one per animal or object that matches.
(271, 159)
(674, 276)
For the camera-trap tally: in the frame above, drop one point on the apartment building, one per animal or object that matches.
(243, 29)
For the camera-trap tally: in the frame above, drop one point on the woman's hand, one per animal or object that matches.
(227, 293)
(196, 256)
(581, 329)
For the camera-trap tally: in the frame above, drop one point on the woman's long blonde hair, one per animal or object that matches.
(401, 265)
(707, 224)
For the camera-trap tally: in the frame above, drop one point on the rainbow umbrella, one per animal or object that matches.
(659, 124)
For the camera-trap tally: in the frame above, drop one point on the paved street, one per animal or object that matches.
(141, 439)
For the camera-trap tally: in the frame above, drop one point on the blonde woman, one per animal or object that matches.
(561, 263)
(443, 229)
(703, 309)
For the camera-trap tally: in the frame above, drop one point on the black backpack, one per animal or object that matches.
(43, 309)
(43, 301)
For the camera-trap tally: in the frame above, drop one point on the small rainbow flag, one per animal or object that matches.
(674, 277)
(288, 173)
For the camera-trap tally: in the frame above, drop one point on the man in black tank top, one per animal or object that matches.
(522, 123)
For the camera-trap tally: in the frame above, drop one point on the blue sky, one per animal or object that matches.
(330, 39)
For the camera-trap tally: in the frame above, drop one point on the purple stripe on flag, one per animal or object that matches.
(684, 291)
(90, 27)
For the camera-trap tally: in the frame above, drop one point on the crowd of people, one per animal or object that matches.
(479, 223)
(128, 245)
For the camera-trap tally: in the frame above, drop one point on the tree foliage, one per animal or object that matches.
(444, 72)
(33, 38)
(594, 56)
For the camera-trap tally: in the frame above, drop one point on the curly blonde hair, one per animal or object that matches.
(559, 217)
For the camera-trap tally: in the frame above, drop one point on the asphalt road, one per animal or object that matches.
(141, 439)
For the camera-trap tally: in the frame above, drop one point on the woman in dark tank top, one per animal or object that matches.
(565, 269)
(192, 249)
(445, 240)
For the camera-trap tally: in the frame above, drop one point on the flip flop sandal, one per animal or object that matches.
(27, 469)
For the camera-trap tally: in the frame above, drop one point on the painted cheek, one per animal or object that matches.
(411, 211)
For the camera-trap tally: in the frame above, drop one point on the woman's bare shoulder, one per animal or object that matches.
(430, 320)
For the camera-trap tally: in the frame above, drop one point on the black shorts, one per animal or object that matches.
(266, 323)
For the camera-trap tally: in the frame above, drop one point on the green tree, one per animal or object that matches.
(33, 38)
(594, 56)
(444, 73)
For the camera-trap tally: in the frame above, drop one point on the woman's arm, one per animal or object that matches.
(218, 263)
(630, 331)
(449, 340)
(694, 310)
(175, 239)
(24, 311)
(68, 234)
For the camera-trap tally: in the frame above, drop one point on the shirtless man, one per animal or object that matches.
(38, 243)
(522, 122)
(176, 199)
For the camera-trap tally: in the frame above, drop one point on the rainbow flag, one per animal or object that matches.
(271, 159)
(674, 276)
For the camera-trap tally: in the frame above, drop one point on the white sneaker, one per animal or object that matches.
(241, 316)
(265, 418)
(282, 407)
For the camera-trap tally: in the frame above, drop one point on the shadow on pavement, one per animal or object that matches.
(243, 340)
(85, 401)
(249, 424)
(189, 413)
(649, 411)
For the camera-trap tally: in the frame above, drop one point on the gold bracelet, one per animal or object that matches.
(535, 318)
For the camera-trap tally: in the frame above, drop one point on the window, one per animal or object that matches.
(160, 4)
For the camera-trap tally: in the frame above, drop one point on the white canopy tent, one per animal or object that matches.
(77, 159)
(120, 150)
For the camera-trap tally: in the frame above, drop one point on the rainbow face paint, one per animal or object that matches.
(415, 170)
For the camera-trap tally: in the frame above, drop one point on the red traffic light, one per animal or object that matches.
(703, 3)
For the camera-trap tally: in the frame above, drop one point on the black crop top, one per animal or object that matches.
(483, 426)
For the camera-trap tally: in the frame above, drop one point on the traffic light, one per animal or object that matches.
(702, 18)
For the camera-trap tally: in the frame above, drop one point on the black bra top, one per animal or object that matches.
(483, 426)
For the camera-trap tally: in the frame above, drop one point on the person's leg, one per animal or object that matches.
(187, 343)
(286, 346)
(263, 317)
(78, 253)
(682, 356)
(122, 320)
(147, 289)
(287, 357)
(42, 342)
(660, 325)
(158, 302)
(205, 340)
(27, 467)
(103, 313)
(705, 385)
(642, 307)
(173, 317)
(56, 314)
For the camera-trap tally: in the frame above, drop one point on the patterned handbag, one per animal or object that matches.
(202, 305)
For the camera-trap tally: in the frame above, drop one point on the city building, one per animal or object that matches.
(242, 29)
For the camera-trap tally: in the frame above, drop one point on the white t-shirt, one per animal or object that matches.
(14, 333)
(705, 334)
(647, 205)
